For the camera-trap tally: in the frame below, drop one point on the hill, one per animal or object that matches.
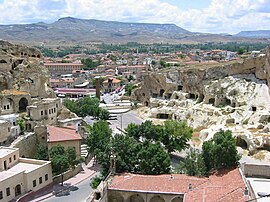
(255, 34)
(73, 30)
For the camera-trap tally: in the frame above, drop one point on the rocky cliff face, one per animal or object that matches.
(21, 68)
(234, 96)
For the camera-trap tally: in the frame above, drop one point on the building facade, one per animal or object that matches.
(63, 68)
(21, 175)
(64, 136)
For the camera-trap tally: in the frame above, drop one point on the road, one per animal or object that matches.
(80, 195)
(125, 119)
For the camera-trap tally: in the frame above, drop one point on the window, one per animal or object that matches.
(14, 157)
(41, 113)
(9, 159)
(34, 183)
(8, 191)
(40, 180)
(8, 129)
(7, 106)
(46, 177)
(1, 195)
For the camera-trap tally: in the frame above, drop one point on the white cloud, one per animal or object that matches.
(220, 16)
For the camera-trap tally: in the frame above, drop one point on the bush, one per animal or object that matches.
(95, 182)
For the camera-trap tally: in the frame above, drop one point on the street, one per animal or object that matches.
(79, 195)
(124, 119)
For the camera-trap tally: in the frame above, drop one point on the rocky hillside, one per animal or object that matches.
(234, 96)
(73, 30)
(22, 69)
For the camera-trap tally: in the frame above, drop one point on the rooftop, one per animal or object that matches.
(60, 134)
(224, 185)
(63, 64)
(25, 167)
(4, 151)
(13, 92)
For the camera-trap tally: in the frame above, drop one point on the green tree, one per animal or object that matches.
(175, 135)
(71, 156)
(59, 164)
(100, 137)
(21, 123)
(147, 130)
(153, 159)
(241, 51)
(130, 78)
(83, 107)
(125, 149)
(104, 114)
(58, 159)
(220, 151)
(88, 63)
(194, 164)
(57, 150)
(162, 63)
(42, 152)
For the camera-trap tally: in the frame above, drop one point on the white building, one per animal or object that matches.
(20, 175)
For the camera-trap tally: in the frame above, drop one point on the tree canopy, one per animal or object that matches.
(194, 164)
(88, 63)
(220, 151)
(173, 134)
(87, 106)
(132, 154)
(62, 159)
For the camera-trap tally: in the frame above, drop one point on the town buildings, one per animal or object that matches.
(62, 68)
(65, 136)
(224, 185)
(21, 175)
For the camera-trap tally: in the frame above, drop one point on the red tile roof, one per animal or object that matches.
(174, 183)
(225, 185)
(60, 134)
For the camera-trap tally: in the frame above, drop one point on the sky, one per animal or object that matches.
(209, 16)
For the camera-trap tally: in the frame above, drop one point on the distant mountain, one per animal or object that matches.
(72, 30)
(254, 34)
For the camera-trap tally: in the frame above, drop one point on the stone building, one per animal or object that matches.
(5, 132)
(63, 68)
(21, 175)
(65, 136)
(11, 128)
(223, 185)
(13, 101)
(111, 84)
(45, 110)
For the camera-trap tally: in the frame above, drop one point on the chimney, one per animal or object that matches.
(190, 187)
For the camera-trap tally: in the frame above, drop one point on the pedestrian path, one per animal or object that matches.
(89, 170)
(84, 150)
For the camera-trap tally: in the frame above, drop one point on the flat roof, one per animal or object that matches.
(4, 151)
(18, 168)
(260, 185)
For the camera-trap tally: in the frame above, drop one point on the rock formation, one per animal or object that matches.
(231, 96)
(22, 69)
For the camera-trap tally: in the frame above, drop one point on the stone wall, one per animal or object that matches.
(255, 170)
(27, 145)
(67, 175)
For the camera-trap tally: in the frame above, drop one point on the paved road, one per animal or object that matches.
(125, 119)
(80, 195)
